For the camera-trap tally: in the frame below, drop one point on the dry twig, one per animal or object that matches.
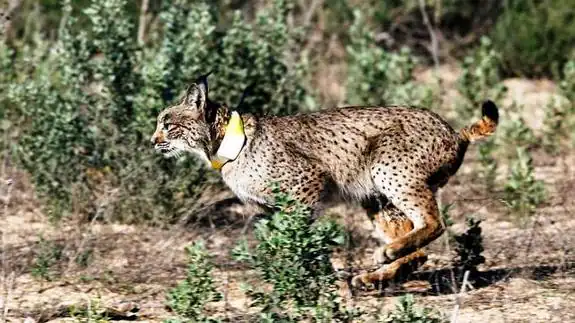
(458, 297)
(142, 21)
(434, 42)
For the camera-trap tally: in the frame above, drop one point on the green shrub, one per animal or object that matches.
(445, 210)
(516, 133)
(406, 312)
(8, 75)
(469, 246)
(87, 105)
(535, 38)
(567, 83)
(397, 23)
(92, 312)
(260, 56)
(513, 132)
(189, 298)
(293, 256)
(523, 193)
(567, 89)
(559, 123)
(378, 77)
(488, 171)
(48, 255)
(480, 80)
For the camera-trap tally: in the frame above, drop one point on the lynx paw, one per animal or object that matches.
(372, 280)
(361, 282)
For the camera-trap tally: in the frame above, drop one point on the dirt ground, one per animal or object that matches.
(529, 274)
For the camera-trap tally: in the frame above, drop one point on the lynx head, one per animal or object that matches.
(189, 125)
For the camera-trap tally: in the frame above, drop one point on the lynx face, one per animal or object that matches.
(183, 128)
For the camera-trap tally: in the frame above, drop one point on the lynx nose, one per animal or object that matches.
(157, 138)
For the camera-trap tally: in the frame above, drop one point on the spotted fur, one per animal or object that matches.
(393, 156)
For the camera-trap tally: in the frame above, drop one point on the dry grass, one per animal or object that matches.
(528, 276)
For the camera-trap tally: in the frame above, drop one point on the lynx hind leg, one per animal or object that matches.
(405, 185)
(391, 224)
(421, 208)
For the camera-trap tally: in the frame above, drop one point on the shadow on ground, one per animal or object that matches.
(447, 281)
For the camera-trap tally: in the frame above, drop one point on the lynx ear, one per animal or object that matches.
(196, 96)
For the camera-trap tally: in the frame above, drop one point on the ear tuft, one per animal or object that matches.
(197, 93)
(203, 79)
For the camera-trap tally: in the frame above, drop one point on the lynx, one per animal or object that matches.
(392, 159)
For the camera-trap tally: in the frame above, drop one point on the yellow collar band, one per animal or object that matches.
(232, 143)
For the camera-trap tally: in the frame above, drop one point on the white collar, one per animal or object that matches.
(232, 143)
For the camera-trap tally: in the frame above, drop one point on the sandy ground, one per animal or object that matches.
(529, 274)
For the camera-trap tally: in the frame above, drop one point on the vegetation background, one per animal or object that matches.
(95, 225)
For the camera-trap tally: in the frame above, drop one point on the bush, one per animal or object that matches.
(293, 256)
(559, 123)
(89, 105)
(514, 132)
(480, 79)
(523, 193)
(567, 83)
(92, 312)
(399, 23)
(469, 246)
(406, 312)
(489, 164)
(378, 77)
(190, 297)
(542, 36)
(48, 255)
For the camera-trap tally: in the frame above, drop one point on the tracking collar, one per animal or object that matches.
(232, 143)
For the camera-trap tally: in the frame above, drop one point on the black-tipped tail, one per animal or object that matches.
(484, 127)
(490, 110)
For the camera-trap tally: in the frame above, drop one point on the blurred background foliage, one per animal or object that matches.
(82, 81)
